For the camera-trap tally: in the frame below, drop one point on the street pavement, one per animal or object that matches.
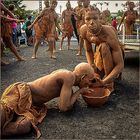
(117, 119)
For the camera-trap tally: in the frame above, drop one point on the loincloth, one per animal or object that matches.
(98, 61)
(68, 29)
(46, 31)
(17, 99)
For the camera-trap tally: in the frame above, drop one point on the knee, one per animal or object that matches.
(24, 126)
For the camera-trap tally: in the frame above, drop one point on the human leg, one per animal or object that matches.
(81, 41)
(51, 44)
(69, 38)
(61, 42)
(9, 44)
(21, 126)
(36, 45)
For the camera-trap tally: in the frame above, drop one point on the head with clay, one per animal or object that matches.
(92, 21)
(84, 73)
(47, 4)
(53, 4)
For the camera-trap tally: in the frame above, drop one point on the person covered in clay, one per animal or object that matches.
(22, 104)
(108, 59)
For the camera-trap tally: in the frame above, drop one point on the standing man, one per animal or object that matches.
(67, 25)
(75, 21)
(131, 15)
(81, 18)
(45, 27)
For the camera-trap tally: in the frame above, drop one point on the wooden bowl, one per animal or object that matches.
(97, 98)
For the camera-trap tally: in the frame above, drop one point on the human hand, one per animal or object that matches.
(98, 83)
(86, 90)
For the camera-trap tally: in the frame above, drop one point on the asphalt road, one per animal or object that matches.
(117, 119)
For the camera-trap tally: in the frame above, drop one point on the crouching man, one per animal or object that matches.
(108, 59)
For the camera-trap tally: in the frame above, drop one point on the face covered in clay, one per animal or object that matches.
(87, 80)
(53, 4)
(92, 21)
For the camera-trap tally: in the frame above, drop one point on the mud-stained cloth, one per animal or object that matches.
(17, 99)
(68, 29)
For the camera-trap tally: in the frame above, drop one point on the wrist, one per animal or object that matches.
(103, 83)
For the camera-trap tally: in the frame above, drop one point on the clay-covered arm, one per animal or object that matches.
(118, 63)
(7, 19)
(87, 45)
(37, 18)
(67, 97)
(7, 11)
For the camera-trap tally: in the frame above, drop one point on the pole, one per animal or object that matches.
(40, 6)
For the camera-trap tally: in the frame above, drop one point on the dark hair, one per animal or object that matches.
(29, 17)
(11, 7)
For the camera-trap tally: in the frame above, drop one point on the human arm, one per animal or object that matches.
(67, 97)
(117, 60)
(87, 45)
(37, 18)
(7, 11)
(8, 19)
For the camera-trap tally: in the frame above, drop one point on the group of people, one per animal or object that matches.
(72, 19)
(22, 104)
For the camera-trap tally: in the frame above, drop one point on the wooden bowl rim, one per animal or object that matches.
(91, 97)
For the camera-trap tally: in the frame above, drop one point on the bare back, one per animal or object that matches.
(49, 86)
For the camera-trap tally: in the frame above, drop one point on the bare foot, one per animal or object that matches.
(47, 50)
(21, 59)
(78, 54)
(54, 51)
(33, 57)
(53, 57)
(3, 62)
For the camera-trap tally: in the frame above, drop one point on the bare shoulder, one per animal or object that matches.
(112, 38)
(64, 11)
(110, 30)
(65, 75)
(83, 31)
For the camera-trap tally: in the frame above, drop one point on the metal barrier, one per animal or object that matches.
(126, 39)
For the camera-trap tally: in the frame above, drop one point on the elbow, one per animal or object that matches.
(64, 108)
(121, 67)
(88, 49)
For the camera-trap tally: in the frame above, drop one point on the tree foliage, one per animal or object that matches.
(20, 9)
